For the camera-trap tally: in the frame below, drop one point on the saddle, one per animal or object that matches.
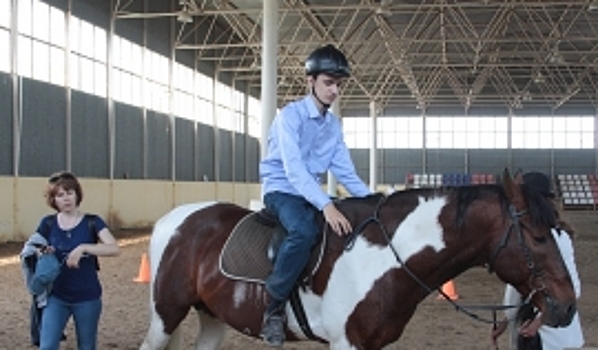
(250, 250)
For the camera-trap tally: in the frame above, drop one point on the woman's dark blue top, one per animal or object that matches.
(75, 285)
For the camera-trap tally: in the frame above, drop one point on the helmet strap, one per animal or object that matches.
(325, 105)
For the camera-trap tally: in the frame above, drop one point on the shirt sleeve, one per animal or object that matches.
(511, 297)
(343, 169)
(566, 247)
(294, 167)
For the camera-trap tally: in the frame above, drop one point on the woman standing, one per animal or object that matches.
(76, 239)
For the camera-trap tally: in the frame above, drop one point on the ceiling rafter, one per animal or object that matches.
(515, 53)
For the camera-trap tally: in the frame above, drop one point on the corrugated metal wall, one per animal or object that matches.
(144, 140)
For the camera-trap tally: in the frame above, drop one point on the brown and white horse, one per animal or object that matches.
(362, 297)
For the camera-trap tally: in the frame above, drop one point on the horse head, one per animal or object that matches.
(527, 256)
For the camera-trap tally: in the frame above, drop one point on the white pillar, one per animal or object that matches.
(17, 89)
(332, 183)
(373, 147)
(269, 69)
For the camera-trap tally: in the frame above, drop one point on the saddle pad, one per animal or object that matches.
(245, 253)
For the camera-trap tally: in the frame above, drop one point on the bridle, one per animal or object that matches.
(515, 226)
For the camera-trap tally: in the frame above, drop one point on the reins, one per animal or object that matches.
(515, 224)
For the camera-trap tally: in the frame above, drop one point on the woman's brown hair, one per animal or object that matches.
(66, 181)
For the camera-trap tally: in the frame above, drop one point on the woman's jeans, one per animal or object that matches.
(298, 217)
(56, 314)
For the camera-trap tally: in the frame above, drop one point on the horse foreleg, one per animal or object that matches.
(211, 332)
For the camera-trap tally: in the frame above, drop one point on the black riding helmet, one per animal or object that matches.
(539, 182)
(329, 60)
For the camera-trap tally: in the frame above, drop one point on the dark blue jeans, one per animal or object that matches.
(298, 217)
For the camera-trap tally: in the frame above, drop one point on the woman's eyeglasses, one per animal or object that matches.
(61, 176)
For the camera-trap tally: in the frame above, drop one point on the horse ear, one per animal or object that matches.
(506, 176)
(518, 179)
(510, 186)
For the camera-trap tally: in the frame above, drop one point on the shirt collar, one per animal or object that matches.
(310, 103)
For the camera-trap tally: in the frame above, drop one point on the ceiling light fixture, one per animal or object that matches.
(184, 17)
(556, 58)
(383, 8)
(593, 6)
(539, 78)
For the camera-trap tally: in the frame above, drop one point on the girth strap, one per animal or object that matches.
(299, 311)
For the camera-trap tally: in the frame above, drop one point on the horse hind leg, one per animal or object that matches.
(211, 332)
(157, 339)
(175, 341)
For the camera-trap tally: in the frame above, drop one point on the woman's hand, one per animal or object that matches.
(74, 256)
(529, 328)
(44, 249)
(497, 330)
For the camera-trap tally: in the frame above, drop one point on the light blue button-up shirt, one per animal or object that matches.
(302, 145)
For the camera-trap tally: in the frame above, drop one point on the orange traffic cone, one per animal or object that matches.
(144, 270)
(449, 289)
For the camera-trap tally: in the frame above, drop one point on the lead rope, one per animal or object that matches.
(351, 241)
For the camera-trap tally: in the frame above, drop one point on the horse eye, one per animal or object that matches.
(541, 239)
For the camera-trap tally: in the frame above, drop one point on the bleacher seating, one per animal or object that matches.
(577, 191)
(446, 180)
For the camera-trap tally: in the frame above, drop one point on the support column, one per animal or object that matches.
(144, 90)
(16, 89)
(68, 89)
(110, 97)
(269, 69)
(373, 146)
(171, 99)
(234, 133)
(424, 154)
(510, 141)
(246, 131)
(332, 183)
(215, 127)
(596, 139)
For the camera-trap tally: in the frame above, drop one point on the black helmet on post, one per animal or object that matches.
(329, 60)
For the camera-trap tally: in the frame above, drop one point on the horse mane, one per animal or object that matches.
(466, 195)
(360, 208)
(371, 199)
(541, 211)
(539, 208)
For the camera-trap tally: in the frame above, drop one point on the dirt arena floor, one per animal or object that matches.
(436, 324)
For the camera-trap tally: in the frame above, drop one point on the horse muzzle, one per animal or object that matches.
(557, 314)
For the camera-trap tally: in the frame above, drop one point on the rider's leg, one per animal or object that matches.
(298, 218)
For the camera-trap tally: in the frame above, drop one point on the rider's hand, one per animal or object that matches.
(339, 223)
